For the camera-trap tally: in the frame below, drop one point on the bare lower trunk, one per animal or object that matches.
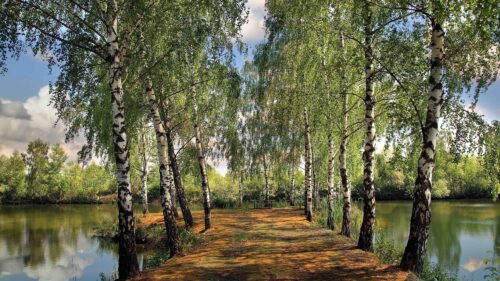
(305, 193)
(186, 212)
(240, 190)
(165, 177)
(413, 257)
(314, 183)
(308, 162)
(201, 158)
(330, 183)
(365, 241)
(204, 178)
(346, 216)
(127, 262)
(171, 190)
(144, 173)
(266, 180)
(292, 188)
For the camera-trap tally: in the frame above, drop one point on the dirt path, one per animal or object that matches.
(275, 244)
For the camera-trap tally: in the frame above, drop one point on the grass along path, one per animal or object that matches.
(270, 244)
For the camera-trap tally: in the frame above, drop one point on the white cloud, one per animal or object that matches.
(253, 30)
(488, 114)
(473, 265)
(70, 265)
(38, 120)
(13, 109)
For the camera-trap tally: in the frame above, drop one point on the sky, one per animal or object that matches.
(25, 113)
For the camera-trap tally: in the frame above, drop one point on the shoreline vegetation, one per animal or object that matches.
(43, 175)
(111, 199)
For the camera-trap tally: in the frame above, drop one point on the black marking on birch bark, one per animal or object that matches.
(186, 212)
(438, 86)
(413, 257)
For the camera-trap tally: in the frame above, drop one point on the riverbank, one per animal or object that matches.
(104, 199)
(268, 245)
(111, 199)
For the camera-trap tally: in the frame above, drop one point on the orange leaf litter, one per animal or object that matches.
(269, 244)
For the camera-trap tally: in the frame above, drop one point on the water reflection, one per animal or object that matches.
(55, 242)
(462, 233)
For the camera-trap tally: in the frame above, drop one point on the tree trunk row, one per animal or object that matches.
(186, 212)
(165, 176)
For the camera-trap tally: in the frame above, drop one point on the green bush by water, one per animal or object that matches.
(388, 253)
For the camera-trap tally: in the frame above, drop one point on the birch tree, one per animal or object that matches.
(77, 37)
(470, 22)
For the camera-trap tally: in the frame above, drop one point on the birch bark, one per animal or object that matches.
(365, 241)
(144, 172)
(127, 262)
(413, 257)
(186, 212)
(330, 183)
(308, 176)
(346, 210)
(165, 177)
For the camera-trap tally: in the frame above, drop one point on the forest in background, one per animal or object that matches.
(44, 175)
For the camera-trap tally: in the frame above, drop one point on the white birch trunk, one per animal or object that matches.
(330, 183)
(365, 241)
(202, 165)
(414, 254)
(127, 263)
(308, 176)
(144, 172)
(346, 216)
(266, 181)
(165, 176)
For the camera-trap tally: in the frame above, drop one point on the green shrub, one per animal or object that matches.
(386, 251)
(224, 203)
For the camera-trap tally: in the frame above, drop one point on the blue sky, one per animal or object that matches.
(25, 113)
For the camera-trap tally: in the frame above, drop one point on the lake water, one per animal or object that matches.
(55, 243)
(463, 233)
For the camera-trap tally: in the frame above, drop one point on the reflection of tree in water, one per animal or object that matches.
(12, 227)
(451, 220)
(43, 234)
(444, 241)
(393, 220)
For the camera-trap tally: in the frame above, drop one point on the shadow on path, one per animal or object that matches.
(271, 244)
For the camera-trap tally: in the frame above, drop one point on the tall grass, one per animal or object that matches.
(322, 215)
(384, 248)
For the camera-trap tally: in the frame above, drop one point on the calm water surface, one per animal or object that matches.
(463, 233)
(55, 242)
